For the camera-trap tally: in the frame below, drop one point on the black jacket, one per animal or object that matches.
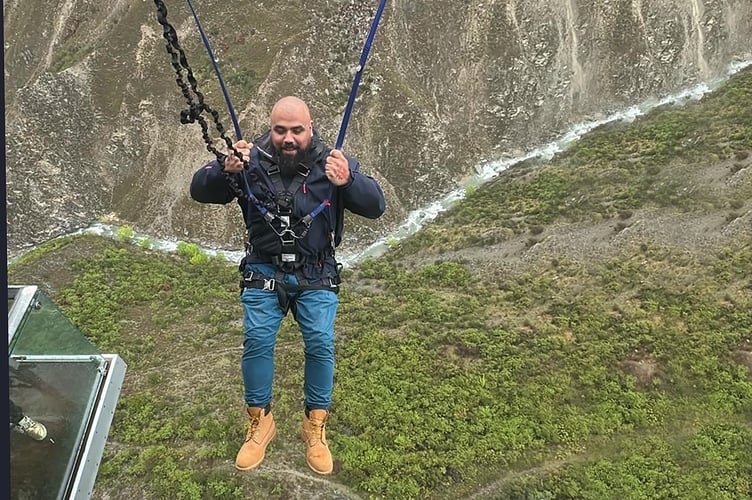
(361, 195)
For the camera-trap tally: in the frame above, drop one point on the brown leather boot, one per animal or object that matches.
(261, 430)
(314, 434)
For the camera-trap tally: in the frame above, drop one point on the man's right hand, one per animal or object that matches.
(232, 163)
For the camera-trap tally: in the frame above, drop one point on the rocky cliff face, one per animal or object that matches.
(92, 108)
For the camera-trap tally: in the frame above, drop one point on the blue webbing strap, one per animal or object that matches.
(353, 93)
(358, 74)
(216, 70)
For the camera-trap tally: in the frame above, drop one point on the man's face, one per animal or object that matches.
(291, 134)
(291, 140)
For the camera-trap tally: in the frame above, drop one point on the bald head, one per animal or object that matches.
(291, 108)
(291, 126)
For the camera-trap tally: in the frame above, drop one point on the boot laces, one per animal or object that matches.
(253, 427)
(317, 430)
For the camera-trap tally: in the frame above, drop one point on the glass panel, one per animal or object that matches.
(59, 393)
(45, 330)
(56, 377)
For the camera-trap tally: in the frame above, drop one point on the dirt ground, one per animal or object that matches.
(596, 242)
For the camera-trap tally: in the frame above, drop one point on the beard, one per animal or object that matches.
(288, 164)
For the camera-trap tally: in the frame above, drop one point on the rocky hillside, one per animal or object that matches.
(92, 116)
(578, 327)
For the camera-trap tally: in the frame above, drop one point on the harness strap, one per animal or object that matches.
(286, 194)
(284, 290)
(293, 261)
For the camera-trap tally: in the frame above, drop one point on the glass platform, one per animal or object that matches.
(58, 379)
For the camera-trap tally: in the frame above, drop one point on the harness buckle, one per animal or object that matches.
(287, 237)
(288, 257)
(269, 284)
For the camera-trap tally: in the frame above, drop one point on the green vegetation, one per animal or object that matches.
(478, 376)
(193, 252)
(125, 233)
(68, 55)
(623, 378)
(619, 167)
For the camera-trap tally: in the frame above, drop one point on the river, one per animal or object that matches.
(484, 172)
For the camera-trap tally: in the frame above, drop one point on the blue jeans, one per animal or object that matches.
(316, 310)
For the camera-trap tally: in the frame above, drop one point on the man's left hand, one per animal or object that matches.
(337, 168)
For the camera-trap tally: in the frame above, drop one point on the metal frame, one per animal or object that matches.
(22, 300)
(82, 484)
(82, 475)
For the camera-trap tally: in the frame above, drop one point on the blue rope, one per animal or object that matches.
(216, 70)
(251, 198)
(358, 74)
(353, 93)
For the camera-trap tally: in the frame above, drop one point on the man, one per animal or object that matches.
(293, 196)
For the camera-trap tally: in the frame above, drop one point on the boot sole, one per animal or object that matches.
(322, 473)
(253, 466)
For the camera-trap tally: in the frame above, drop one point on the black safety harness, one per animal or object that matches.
(286, 257)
